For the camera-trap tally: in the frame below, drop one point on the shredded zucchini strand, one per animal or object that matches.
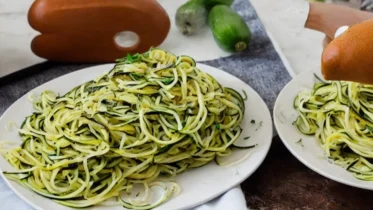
(340, 115)
(152, 114)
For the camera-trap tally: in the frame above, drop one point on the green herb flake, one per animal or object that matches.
(244, 93)
(167, 81)
(217, 126)
(132, 58)
(260, 125)
(246, 138)
(300, 142)
(129, 58)
(294, 123)
(137, 195)
(252, 121)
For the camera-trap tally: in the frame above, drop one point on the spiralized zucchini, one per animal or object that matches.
(153, 114)
(340, 115)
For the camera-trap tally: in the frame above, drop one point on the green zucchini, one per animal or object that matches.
(191, 17)
(229, 29)
(211, 3)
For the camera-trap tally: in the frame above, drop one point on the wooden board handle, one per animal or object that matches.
(327, 18)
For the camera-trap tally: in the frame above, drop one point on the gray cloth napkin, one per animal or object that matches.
(260, 67)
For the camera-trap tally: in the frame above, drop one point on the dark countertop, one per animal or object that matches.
(283, 182)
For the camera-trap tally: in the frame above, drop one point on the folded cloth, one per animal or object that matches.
(9, 200)
(260, 67)
(233, 199)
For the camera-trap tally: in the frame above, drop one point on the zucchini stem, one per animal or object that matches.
(240, 46)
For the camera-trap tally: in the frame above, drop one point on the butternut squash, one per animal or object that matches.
(84, 30)
(349, 56)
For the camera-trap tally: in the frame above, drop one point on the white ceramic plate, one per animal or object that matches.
(198, 185)
(308, 151)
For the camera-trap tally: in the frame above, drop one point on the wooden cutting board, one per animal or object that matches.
(87, 30)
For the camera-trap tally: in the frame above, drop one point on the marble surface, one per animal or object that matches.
(300, 48)
(284, 20)
(15, 36)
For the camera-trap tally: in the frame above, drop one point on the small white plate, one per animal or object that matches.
(309, 151)
(198, 185)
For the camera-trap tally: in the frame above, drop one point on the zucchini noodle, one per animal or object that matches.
(340, 115)
(153, 114)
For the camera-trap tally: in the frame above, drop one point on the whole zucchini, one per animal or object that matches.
(230, 30)
(191, 16)
(211, 3)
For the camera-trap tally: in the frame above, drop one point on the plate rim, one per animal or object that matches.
(264, 151)
(297, 154)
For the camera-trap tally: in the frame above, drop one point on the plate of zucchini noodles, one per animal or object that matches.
(328, 126)
(152, 131)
